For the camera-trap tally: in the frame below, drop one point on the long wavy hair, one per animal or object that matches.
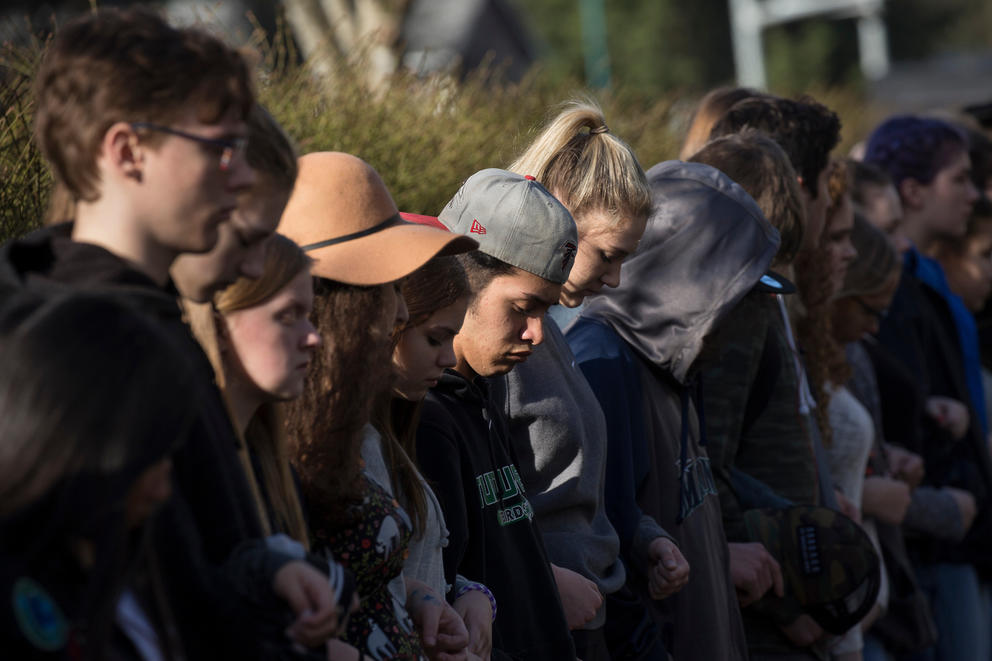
(349, 370)
(434, 286)
(264, 438)
(825, 361)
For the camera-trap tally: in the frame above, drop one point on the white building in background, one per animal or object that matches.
(749, 18)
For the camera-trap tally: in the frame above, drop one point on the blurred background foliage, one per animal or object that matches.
(425, 134)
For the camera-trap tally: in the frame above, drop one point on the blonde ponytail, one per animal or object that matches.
(587, 167)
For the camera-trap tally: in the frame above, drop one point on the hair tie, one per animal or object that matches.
(599, 129)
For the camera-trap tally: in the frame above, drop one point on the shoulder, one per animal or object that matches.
(593, 339)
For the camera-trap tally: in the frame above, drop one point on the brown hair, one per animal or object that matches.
(875, 263)
(762, 168)
(805, 129)
(711, 108)
(864, 175)
(270, 152)
(350, 369)
(434, 286)
(127, 65)
(264, 437)
(825, 360)
(587, 170)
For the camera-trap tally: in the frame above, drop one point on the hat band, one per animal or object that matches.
(395, 219)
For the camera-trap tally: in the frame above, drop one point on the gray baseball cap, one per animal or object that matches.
(516, 220)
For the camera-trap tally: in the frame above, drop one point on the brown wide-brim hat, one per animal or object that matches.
(343, 216)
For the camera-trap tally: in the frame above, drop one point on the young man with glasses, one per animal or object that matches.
(144, 125)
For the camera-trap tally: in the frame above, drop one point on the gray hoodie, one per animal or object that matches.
(706, 246)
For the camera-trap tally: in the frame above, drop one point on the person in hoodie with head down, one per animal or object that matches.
(527, 243)
(706, 246)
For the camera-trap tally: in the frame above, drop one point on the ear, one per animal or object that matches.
(121, 152)
(912, 193)
(802, 188)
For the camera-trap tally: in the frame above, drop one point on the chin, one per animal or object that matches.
(410, 395)
(498, 369)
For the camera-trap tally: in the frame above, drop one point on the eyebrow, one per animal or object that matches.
(537, 299)
(446, 329)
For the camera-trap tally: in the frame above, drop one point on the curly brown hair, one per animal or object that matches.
(807, 130)
(825, 360)
(347, 373)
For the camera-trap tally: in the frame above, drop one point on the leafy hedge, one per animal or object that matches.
(425, 136)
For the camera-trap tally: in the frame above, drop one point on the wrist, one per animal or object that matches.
(478, 587)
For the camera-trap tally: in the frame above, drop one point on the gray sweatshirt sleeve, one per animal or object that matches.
(933, 511)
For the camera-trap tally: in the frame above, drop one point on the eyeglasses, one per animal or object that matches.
(875, 312)
(229, 149)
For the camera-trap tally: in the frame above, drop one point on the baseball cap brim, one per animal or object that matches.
(386, 255)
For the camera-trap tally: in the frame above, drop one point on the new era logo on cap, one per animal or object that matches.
(517, 221)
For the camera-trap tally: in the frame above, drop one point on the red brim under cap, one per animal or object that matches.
(421, 219)
(387, 255)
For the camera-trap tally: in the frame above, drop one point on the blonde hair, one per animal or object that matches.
(264, 437)
(711, 108)
(587, 170)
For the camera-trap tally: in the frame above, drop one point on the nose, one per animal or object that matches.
(311, 338)
(612, 276)
(534, 331)
(972, 193)
(850, 252)
(253, 264)
(446, 358)
(240, 176)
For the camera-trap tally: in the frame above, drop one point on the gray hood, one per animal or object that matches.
(706, 245)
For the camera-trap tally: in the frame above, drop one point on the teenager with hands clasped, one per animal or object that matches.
(340, 213)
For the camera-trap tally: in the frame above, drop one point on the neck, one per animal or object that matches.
(107, 225)
(916, 231)
(243, 402)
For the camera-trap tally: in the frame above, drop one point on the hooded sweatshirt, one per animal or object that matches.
(208, 534)
(464, 450)
(559, 434)
(706, 245)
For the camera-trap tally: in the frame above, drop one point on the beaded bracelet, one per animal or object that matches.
(468, 587)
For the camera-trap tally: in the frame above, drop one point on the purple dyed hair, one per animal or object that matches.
(909, 147)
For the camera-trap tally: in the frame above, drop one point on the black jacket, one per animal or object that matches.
(208, 537)
(464, 450)
(917, 356)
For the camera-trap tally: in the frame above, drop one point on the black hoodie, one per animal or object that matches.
(208, 537)
(464, 450)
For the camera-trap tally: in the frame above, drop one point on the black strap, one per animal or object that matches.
(389, 222)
